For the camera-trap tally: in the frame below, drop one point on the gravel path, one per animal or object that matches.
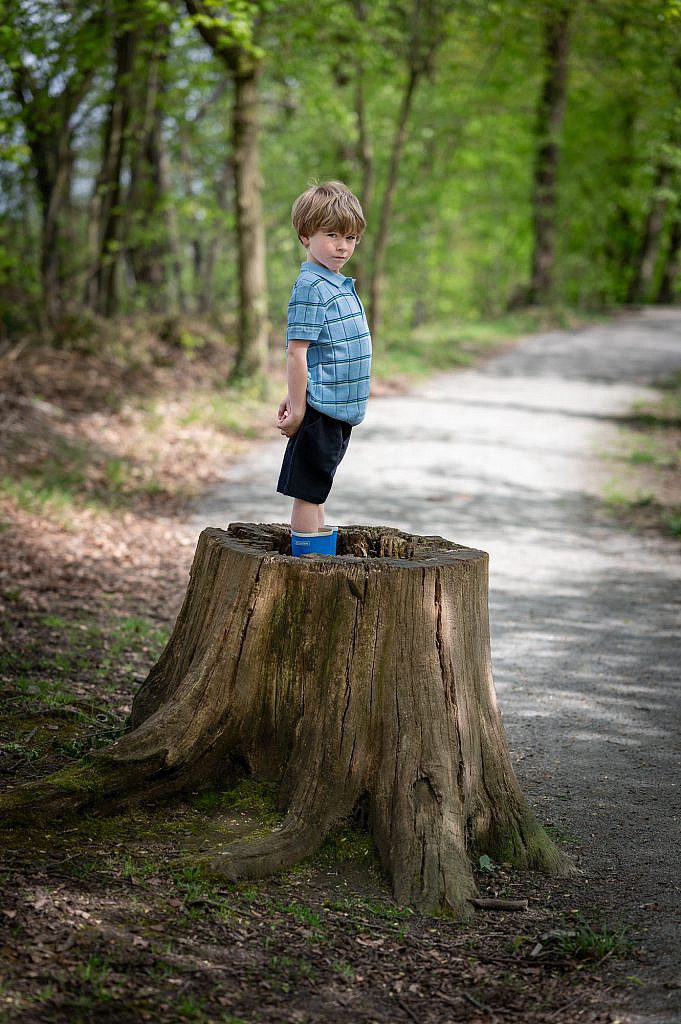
(585, 614)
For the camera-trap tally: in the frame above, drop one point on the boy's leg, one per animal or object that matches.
(305, 516)
(310, 461)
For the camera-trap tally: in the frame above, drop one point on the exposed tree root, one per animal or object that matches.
(362, 676)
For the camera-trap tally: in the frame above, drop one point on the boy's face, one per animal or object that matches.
(330, 249)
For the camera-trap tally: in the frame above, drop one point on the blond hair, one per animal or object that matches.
(327, 207)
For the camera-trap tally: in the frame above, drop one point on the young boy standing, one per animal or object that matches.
(328, 352)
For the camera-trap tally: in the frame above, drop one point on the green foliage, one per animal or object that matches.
(71, 475)
(346, 845)
(450, 343)
(232, 26)
(257, 798)
(649, 455)
(304, 915)
(95, 974)
(232, 410)
(460, 238)
(82, 648)
(587, 943)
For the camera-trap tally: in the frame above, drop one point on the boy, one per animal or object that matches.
(328, 352)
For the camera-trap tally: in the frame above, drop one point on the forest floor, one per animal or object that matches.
(100, 461)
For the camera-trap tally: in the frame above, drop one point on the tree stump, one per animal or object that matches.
(363, 679)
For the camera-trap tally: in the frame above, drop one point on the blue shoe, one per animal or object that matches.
(322, 542)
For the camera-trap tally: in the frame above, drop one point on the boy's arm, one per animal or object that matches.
(292, 409)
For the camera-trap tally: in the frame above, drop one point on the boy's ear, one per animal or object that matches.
(304, 240)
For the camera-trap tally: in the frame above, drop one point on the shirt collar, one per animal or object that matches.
(328, 275)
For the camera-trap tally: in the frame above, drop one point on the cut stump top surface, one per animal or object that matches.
(377, 547)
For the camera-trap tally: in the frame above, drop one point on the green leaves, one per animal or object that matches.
(229, 29)
(462, 211)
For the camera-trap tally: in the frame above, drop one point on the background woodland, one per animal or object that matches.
(507, 154)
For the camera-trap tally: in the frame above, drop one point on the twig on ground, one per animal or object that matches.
(403, 1006)
(493, 904)
(480, 1006)
(565, 1006)
(10, 354)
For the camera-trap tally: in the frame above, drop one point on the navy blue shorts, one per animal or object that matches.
(312, 457)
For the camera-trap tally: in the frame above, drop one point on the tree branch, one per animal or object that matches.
(231, 53)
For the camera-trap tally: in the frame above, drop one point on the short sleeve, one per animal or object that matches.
(306, 313)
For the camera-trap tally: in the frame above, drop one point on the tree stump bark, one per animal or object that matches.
(364, 678)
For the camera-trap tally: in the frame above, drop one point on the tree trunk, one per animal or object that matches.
(364, 151)
(151, 243)
(205, 281)
(109, 210)
(244, 69)
(47, 111)
(251, 355)
(651, 239)
(206, 244)
(668, 195)
(426, 31)
(381, 237)
(362, 679)
(670, 271)
(620, 242)
(365, 156)
(550, 114)
(177, 301)
(49, 134)
(54, 179)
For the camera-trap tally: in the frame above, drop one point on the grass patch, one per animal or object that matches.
(66, 686)
(671, 518)
(95, 974)
(303, 915)
(80, 648)
(361, 908)
(345, 845)
(35, 497)
(587, 943)
(191, 1008)
(63, 475)
(647, 493)
(617, 498)
(20, 751)
(234, 412)
(256, 798)
(433, 347)
(202, 896)
(665, 410)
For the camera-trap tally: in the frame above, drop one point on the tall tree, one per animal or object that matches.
(130, 216)
(205, 228)
(663, 209)
(52, 60)
(152, 246)
(423, 22)
(108, 210)
(231, 39)
(650, 245)
(557, 15)
(671, 268)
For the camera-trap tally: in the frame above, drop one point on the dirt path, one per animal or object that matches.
(585, 614)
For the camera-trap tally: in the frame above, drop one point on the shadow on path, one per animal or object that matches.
(584, 614)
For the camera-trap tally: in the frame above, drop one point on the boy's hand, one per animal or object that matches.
(288, 419)
(292, 409)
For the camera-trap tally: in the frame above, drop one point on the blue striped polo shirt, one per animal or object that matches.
(326, 310)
